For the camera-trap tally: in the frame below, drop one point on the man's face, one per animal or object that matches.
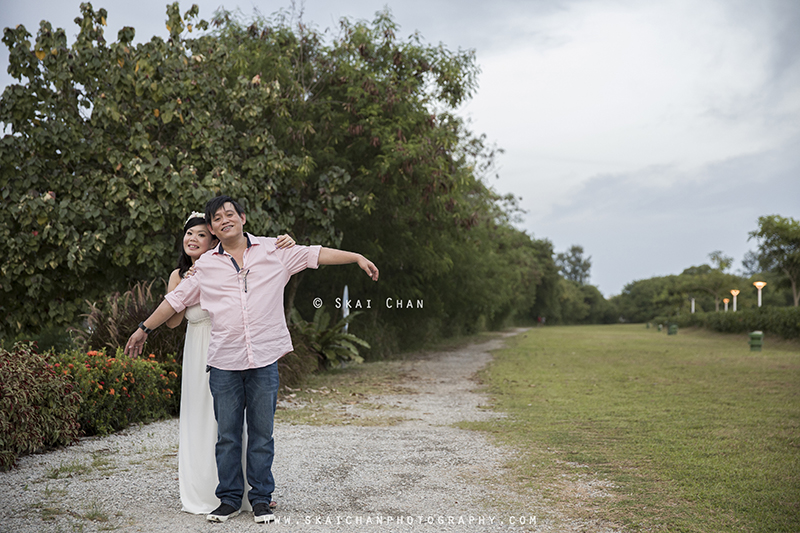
(226, 222)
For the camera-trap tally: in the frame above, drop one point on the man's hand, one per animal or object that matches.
(368, 267)
(332, 256)
(135, 343)
(284, 241)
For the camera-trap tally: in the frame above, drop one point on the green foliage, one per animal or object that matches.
(669, 296)
(781, 321)
(330, 341)
(38, 403)
(381, 109)
(112, 144)
(57, 339)
(573, 266)
(117, 391)
(643, 300)
(108, 325)
(779, 249)
(713, 280)
(351, 141)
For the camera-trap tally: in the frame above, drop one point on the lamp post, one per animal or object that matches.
(735, 292)
(726, 300)
(759, 285)
(692, 305)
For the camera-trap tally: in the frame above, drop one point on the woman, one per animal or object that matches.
(197, 468)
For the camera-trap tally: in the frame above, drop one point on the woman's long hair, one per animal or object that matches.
(184, 261)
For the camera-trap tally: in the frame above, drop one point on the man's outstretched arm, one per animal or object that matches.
(332, 256)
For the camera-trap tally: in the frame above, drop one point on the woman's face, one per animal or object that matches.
(197, 240)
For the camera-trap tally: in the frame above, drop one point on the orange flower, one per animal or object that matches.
(92, 352)
(152, 356)
(70, 365)
(111, 392)
(125, 389)
(100, 387)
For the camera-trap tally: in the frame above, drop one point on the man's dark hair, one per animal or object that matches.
(214, 204)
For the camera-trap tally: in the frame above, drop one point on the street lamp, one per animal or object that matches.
(726, 300)
(735, 292)
(759, 285)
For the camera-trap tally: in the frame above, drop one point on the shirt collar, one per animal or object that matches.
(221, 250)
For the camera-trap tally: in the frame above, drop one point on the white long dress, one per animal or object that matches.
(197, 467)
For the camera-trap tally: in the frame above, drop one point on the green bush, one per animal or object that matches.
(117, 391)
(333, 345)
(55, 339)
(38, 403)
(781, 321)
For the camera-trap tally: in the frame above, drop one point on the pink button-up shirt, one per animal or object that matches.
(248, 328)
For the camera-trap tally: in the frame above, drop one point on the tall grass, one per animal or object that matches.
(691, 432)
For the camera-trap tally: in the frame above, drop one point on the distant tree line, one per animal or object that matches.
(775, 261)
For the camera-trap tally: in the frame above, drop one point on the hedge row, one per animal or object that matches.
(781, 321)
(49, 399)
(117, 391)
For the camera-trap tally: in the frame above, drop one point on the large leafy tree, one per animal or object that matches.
(644, 299)
(381, 109)
(779, 249)
(573, 265)
(112, 144)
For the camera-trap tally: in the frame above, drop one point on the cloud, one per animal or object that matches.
(636, 225)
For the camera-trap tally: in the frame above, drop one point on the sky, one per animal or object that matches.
(649, 133)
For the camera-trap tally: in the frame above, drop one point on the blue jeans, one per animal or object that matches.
(234, 390)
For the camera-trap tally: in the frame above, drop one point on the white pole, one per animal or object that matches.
(345, 308)
(734, 303)
(759, 297)
(692, 305)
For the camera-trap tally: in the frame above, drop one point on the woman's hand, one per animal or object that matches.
(284, 241)
(189, 273)
(135, 344)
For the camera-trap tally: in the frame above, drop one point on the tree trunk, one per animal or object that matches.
(288, 302)
(795, 294)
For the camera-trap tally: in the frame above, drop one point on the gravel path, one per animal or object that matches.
(422, 475)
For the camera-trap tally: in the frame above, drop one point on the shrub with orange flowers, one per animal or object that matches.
(117, 391)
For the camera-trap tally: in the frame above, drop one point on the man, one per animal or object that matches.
(240, 283)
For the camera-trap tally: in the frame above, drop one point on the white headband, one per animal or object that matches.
(195, 214)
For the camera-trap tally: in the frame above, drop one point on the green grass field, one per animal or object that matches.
(689, 432)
